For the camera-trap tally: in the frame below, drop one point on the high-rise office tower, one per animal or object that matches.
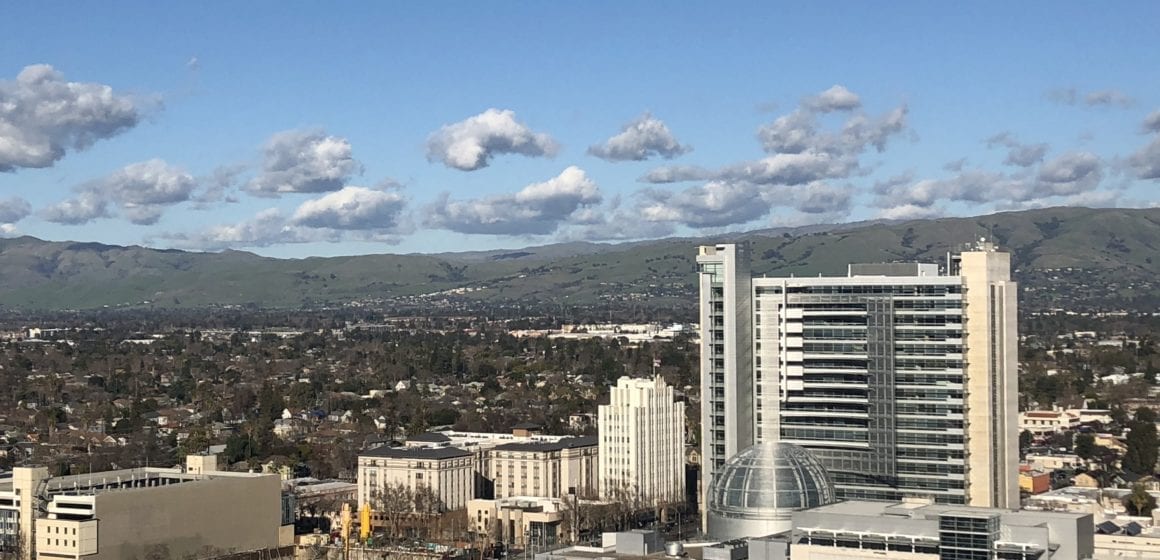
(900, 378)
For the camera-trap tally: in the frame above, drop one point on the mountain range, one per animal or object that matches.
(1115, 253)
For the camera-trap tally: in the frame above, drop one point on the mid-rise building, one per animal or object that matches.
(196, 512)
(642, 443)
(542, 469)
(445, 474)
(900, 378)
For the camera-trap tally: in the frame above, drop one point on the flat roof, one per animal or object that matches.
(416, 452)
(568, 443)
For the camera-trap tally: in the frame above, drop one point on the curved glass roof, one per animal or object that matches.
(769, 477)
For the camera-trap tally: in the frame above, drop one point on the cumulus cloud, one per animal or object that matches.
(537, 209)
(43, 116)
(268, 227)
(645, 137)
(790, 169)
(726, 203)
(1068, 175)
(304, 161)
(837, 98)
(1152, 122)
(1146, 161)
(1097, 98)
(472, 143)
(141, 190)
(82, 209)
(353, 208)
(714, 204)
(801, 131)
(1018, 153)
(909, 212)
(14, 209)
(676, 174)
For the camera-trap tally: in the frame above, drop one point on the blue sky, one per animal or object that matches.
(297, 129)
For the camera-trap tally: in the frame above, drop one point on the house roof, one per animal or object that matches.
(434, 453)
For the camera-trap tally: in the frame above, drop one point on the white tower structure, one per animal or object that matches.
(642, 443)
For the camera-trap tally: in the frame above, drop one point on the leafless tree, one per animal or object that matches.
(394, 502)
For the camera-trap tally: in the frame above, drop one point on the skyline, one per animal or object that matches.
(303, 132)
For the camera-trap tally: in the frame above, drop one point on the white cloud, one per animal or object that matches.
(1069, 175)
(645, 137)
(268, 227)
(42, 117)
(82, 209)
(537, 209)
(801, 130)
(1146, 161)
(141, 190)
(472, 143)
(676, 174)
(790, 169)
(837, 98)
(909, 212)
(304, 161)
(14, 209)
(1018, 153)
(353, 208)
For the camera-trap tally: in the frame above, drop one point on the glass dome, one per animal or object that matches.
(755, 492)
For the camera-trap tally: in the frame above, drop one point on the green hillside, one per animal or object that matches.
(1114, 255)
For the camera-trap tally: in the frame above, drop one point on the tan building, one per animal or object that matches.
(542, 469)
(1047, 421)
(519, 521)
(179, 513)
(1127, 547)
(447, 471)
(990, 317)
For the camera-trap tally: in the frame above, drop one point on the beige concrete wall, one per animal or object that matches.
(992, 379)
(25, 482)
(1121, 547)
(799, 552)
(193, 518)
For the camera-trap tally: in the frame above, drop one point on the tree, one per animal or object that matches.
(1025, 440)
(1085, 446)
(1139, 502)
(1142, 443)
(393, 502)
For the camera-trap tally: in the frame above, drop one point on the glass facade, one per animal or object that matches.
(868, 375)
(768, 477)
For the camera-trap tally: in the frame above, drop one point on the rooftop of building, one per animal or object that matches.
(548, 446)
(888, 511)
(430, 453)
(144, 477)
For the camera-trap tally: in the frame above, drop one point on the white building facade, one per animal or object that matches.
(642, 443)
(448, 472)
(900, 377)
